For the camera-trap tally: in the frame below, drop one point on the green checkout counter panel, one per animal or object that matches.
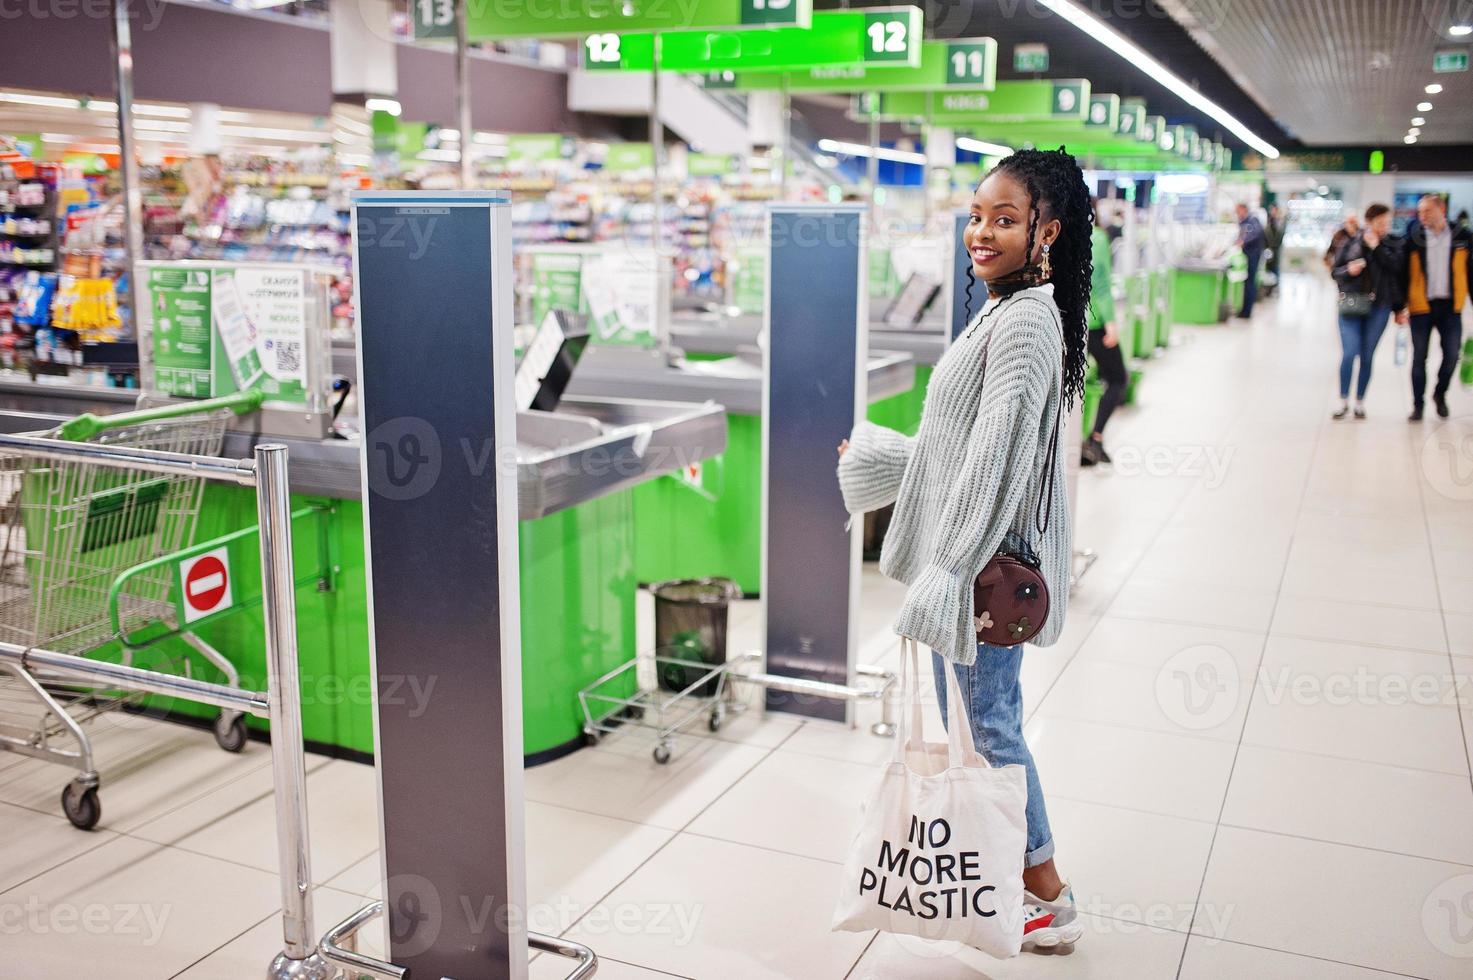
(578, 472)
(708, 521)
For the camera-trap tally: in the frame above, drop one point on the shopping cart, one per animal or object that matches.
(80, 550)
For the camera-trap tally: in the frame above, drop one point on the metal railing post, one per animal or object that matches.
(299, 958)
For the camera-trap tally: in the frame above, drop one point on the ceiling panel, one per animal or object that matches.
(1337, 72)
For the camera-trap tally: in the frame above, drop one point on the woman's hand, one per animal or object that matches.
(1403, 318)
(1112, 334)
(1355, 266)
(843, 448)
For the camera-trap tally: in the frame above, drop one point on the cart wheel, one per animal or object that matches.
(590, 739)
(80, 804)
(230, 732)
(662, 753)
(718, 717)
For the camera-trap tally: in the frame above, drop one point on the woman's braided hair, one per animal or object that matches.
(1056, 189)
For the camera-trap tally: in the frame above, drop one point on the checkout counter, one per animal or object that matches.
(579, 468)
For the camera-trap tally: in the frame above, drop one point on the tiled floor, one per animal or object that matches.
(1254, 736)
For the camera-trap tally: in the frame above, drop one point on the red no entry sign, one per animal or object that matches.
(205, 582)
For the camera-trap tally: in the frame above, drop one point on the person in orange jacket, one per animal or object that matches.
(1437, 269)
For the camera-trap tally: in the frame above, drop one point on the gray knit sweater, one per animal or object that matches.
(971, 474)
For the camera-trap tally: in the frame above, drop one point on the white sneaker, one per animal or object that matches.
(1050, 924)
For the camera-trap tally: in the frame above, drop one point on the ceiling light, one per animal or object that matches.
(1424, 106)
(1133, 53)
(1414, 131)
(1409, 139)
(879, 152)
(982, 147)
(49, 101)
(1460, 30)
(1434, 89)
(391, 106)
(1418, 121)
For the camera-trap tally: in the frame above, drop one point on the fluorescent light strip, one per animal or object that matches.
(261, 133)
(880, 152)
(1136, 55)
(982, 147)
(391, 106)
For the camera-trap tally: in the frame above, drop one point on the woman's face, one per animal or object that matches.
(997, 234)
(1380, 224)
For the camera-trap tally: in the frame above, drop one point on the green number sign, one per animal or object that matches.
(841, 39)
(630, 52)
(774, 13)
(1070, 99)
(892, 36)
(489, 21)
(1104, 111)
(434, 19)
(1030, 57)
(968, 62)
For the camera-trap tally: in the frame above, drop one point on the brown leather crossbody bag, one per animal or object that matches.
(1010, 597)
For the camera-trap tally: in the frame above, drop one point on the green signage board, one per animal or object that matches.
(708, 164)
(747, 279)
(626, 158)
(215, 330)
(528, 148)
(182, 351)
(969, 63)
(1104, 112)
(1030, 57)
(1017, 101)
(873, 36)
(1447, 62)
(494, 19)
(557, 279)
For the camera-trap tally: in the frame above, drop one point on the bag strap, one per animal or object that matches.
(960, 745)
(1043, 508)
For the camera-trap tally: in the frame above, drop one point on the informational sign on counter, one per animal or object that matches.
(217, 329)
(620, 291)
(749, 279)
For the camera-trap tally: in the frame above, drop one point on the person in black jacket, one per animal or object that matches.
(1368, 269)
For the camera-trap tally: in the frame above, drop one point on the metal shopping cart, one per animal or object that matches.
(80, 550)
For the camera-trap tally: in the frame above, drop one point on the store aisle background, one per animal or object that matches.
(1254, 737)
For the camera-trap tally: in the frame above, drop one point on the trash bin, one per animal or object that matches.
(690, 625)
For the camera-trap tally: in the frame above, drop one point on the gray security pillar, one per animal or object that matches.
(434, 279)
(813, 392)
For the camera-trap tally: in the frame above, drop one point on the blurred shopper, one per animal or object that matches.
(1350, 229)
(1368, 271)
(1273, 233)
(1437, 270)
(1104, 347)
(1251, 240)
(983, 474)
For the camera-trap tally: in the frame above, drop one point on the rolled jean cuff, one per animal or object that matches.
(1041, 854)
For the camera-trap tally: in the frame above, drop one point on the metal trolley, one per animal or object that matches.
(73, 535)
(619, 698)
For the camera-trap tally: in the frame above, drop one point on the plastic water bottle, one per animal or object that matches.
(1403, 343)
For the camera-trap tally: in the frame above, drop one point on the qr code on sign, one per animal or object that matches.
(288, 356)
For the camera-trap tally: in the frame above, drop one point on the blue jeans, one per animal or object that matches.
(1359, 336)
(995, 706)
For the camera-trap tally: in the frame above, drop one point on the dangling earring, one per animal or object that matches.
(1046, 269)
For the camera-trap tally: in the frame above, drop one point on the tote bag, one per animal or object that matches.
(939, 852)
